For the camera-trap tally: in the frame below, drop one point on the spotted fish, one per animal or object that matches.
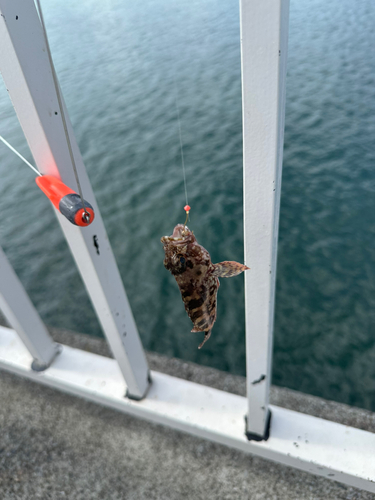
(196, 276)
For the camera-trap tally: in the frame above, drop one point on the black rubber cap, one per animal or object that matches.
(256, 437)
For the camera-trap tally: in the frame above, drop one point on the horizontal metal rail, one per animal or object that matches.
(308, 443)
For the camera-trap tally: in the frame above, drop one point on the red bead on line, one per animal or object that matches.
(187, 208)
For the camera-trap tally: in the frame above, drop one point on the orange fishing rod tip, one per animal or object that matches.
(53, 188)
(187, 208)
(67, 201)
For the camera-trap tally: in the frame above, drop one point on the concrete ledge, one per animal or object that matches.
(57, 446)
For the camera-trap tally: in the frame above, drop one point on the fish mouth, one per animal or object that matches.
(181, 234)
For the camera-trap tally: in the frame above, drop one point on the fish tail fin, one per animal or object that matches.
(207, 335)
(228, 268)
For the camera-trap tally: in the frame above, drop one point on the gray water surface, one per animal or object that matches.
(117, 63)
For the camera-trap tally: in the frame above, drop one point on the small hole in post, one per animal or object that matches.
(56, 113)
(16, 17)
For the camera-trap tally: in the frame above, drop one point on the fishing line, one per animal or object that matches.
(59, 99)
(181, 144)
(186, 207)
(19, 155)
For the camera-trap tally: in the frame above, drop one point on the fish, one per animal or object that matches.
(197, 277)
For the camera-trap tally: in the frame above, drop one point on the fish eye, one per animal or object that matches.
(182, 260)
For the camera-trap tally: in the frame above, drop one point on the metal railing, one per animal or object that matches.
(328, 449)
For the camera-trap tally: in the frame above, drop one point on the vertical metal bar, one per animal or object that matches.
(27, 74)
(264, 39)
(23, 317)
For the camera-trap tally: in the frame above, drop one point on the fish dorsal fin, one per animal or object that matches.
(228, 268)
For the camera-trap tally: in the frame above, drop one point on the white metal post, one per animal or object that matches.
(27, 74)
(22, 315)
(264, 40)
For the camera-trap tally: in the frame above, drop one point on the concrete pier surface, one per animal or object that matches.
(56, 446)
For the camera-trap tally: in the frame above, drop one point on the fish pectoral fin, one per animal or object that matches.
(195, 330)
(228, 268)
(207, 335)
